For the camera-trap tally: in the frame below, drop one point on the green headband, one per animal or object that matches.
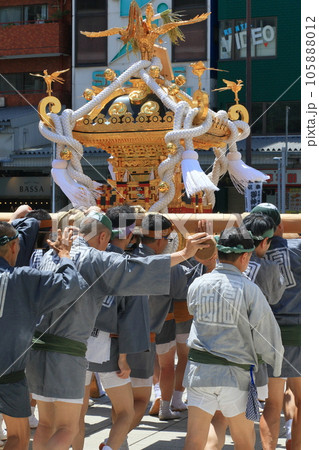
(238, 249)
(100, 217)
(266, 234)
(5, 239)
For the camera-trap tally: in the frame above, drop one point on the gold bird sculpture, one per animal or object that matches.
(142, 33)
(235, 87)
(49, 79)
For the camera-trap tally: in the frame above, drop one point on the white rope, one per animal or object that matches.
(62, 135)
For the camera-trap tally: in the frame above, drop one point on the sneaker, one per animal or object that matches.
(91, 402)
(179, 406)
(170, 415)
(154, 410)
(3, 434)
(33, 421)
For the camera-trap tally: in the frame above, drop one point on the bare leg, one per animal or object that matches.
(45, 427)
(182, 353)
(57, 434)
(197, 428)
(154, 409)
(242, 432)
(217, 431)
(123, 407)
(18, 433)
(270, 419)
(78, 441)
(295, 386)
(167, 374)
(141, 398)
(289, 412)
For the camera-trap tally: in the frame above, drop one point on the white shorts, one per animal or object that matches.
(142, 382)
(231, 401)
(88, 377)
(262, 392)
(111, 380)
(161, 349)
(52, 399)
(182, 338)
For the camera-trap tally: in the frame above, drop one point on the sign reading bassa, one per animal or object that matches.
(25, 187)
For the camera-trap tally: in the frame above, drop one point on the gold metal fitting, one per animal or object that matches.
(173, 89)
(109, 74)
(66, 154)
(172, 148)
(155, 71)
(163, 187)
(88, 94)
(180, 80)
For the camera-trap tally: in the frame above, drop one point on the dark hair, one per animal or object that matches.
(120, 216)
(233, 237)
(6, 229)
(154, 222)
(258, 224)
(40, 214)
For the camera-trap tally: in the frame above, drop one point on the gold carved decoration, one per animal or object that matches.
(180, 80)
(201, 101)
(238, 112)
(150, 108)
(54, 105)
(118, 109)
(142, 33)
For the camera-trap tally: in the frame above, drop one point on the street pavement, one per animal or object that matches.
(152, 433)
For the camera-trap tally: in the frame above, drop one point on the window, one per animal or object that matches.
(90, 16)
(270, 118)
(194, 48)
(23, 82)
(18, 15)
(233, 38)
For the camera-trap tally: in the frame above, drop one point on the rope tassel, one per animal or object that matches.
(194, 179)
(78, 194)
(241, 174)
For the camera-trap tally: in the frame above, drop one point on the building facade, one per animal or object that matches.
(37, 36)
(275, 85)
(34, 36)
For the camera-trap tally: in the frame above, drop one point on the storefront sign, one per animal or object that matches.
(25, 187)
(233, 38)
(292, 176)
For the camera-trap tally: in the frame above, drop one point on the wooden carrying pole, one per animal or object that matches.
(215, 222)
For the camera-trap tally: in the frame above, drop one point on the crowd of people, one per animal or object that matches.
(96, 296)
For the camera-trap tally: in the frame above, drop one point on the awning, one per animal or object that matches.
(272, 143)
(15, 116)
